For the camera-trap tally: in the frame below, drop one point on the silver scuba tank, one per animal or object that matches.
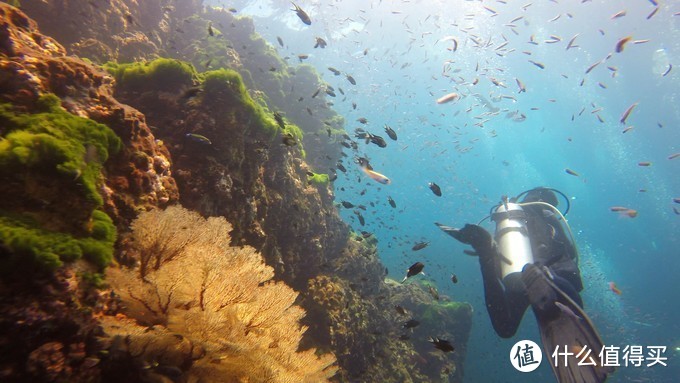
(512, 238)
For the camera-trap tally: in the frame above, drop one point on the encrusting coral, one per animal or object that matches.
(221, 298)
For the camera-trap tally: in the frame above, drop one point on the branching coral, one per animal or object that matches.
(221, 298)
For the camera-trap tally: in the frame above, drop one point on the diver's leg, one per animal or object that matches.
(562, 323)
(506, 301)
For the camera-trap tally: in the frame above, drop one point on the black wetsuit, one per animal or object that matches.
(507, 300)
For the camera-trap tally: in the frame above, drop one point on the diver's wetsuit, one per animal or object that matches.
(507, 300)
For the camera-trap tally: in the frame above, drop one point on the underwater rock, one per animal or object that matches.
(36, 64)
(245, 174)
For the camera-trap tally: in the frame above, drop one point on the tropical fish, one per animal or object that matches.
(448, 98)
(614, 289)
(674, 156)
(335, 71)
(622, 43)
(571, 42)
(411, 323)
(302, 14)
(280, 40)
(540, 65)
(347, 205)
(390, 132)
(198, 138)
(279, 120)
(454, 278)
(435, 189)
(415, 269)
(627, 112)
(376, 176)
(420, 246)
(361, 217)
(351, 79)
(644, 163)
(670, 66)
(391, 202)
(288, 139)
(618, 14)
(376, 140)
(441, 344)
(320, 43)
(571, 172)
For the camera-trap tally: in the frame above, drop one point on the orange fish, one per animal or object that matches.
(376, 176)
(614, 289)
(622, 44)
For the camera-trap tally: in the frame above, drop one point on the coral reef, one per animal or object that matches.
(246, 325)
(213, 143)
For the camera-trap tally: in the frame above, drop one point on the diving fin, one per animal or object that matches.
(566, 327)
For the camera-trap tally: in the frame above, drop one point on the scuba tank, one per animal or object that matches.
(512, 237)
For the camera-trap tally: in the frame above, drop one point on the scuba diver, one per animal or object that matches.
(531, 261)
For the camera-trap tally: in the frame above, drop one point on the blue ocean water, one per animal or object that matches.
(494, 141)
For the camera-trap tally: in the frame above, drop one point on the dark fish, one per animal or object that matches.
(670, 66)
(400, 310)
(302, 57)
(316, 93)
(280, 40)
(347, 205)
(376, 140)
(390, 132)
(454, 278)
(211, 32)
(354, 105)
(415, 269)
(289, 140)
(420, 246)
(335, 71)
(411, 323)
(362, 120)
(571, 172)
(279, 120)
(435, 189)
(341, 168)
(441, 344)
(330, 92)
(320, 43)
(302, 14)
(391, 201)
(351, 80)
(361, 217)
(198, 138)
(537, 64)
(676, 200)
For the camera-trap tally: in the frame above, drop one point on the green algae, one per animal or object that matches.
(161, 74)
(318, 179)
(56, 142)
(57, 158)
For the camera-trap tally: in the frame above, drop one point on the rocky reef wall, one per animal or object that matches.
(207, 139)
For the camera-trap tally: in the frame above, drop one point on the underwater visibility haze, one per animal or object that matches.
(313, 147)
